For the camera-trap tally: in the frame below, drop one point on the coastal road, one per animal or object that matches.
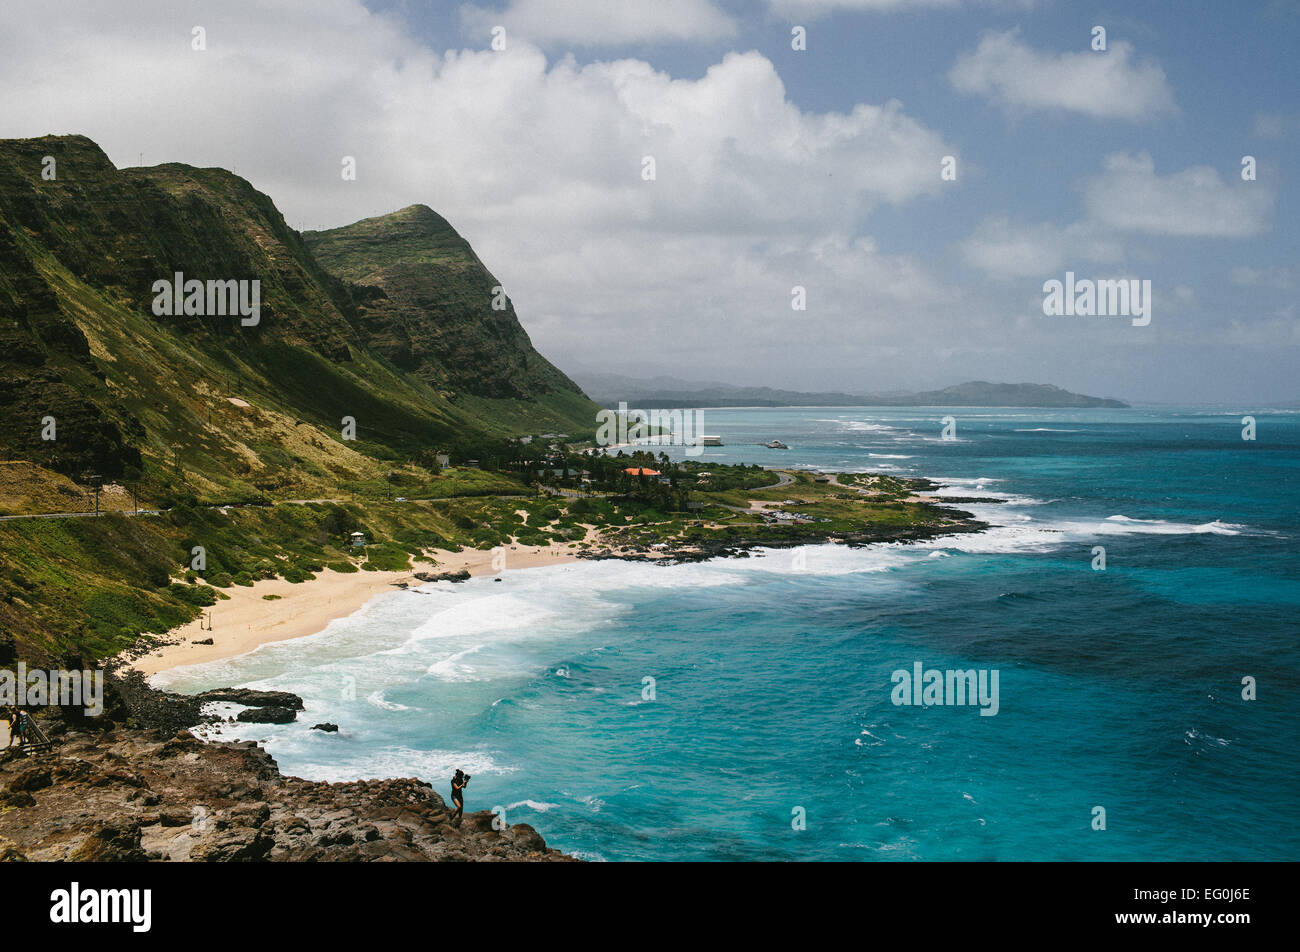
(782, 479)
(282, 502)
(82, 515)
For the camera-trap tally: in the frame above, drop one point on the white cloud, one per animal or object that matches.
(538, 164)
(578, 23)
(1196, 202)
(812, 9)
(1006, 249)
(1128, 198)
(817, 8)
(1103, 85)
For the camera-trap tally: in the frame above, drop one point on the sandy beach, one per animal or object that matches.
(248, 619)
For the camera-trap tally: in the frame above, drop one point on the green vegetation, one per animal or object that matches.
(407, 345)
(94, 585)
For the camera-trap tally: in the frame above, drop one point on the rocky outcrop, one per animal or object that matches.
(251, 698)
(267, 715)
(461, 575)
(126, 795)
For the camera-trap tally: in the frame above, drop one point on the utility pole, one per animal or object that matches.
(94, 480)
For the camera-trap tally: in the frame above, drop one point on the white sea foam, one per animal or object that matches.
(540, 806)
(376, 699)
(389, 762)
(1124, 525)
(966, 480)
(823, 559)
(1006, 499)
(489, 612)
(865, 426)
(454, 667)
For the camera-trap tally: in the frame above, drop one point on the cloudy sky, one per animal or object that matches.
(774, 168)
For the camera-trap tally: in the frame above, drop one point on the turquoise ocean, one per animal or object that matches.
(771, 702)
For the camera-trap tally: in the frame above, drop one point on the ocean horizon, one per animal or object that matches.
(745, 708)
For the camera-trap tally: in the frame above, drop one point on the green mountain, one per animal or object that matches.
(389, 322)
(425, 303)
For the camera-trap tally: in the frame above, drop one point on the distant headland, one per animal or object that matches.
(607, 389)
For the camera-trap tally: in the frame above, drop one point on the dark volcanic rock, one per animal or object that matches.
(327, 727)
(33, 778)
(233, 846)
(250, 698)
(267, 715)
(130, 700)
(131, 795)
(460, 576)
(117, 841)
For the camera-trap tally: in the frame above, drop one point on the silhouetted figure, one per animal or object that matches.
(458, 794)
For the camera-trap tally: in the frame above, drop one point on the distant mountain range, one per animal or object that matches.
(670, 392)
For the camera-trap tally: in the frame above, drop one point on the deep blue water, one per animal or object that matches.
(1119, 688)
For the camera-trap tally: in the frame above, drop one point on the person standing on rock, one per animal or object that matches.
(11, 717)
(18, 727)
(458, 793)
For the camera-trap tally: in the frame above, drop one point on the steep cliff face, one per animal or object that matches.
(414, 353)
(120, 231)
(431, 309)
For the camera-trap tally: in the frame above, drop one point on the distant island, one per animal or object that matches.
(668, 392)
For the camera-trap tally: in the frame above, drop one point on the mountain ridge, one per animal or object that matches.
(609, 389)
(148, 398)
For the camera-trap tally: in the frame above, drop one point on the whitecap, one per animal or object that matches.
(376, 699)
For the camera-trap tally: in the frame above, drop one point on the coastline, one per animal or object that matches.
(247, 620)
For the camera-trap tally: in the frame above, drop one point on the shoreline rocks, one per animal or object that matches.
(251, 698)
(459, 576)
(267, 715)
(130, 794)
